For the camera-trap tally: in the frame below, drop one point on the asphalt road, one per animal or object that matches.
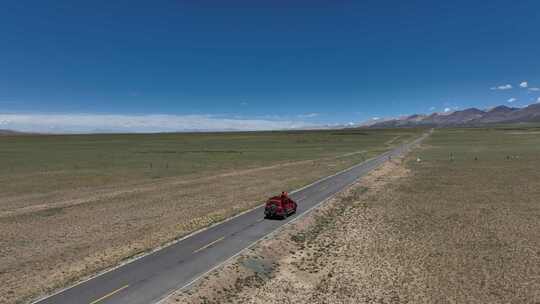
(151, 278)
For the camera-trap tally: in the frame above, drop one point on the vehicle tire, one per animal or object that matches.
(272, 212)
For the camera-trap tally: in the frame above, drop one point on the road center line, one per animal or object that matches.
(301, 199)
(109, 294)
(207, 245)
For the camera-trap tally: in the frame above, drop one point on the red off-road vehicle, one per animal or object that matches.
(280, 206)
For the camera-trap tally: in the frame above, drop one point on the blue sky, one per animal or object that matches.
(258, 64)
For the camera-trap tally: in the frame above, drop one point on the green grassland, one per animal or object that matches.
(72, 205)
(42, 162)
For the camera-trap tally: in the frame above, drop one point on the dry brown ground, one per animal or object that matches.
(420, 233)
(48, 240)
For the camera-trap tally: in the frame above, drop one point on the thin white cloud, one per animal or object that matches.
(449, 108)
(308, 115)
(502, 87)
(512, 100)
(374, 120)
(86, 123)
(534, 89)
(538, 99)
(432, 108)
(523, 84)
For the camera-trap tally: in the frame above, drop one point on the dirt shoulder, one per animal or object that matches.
(408, 233)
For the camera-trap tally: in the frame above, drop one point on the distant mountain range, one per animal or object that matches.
(467, 117)
(9, 132)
